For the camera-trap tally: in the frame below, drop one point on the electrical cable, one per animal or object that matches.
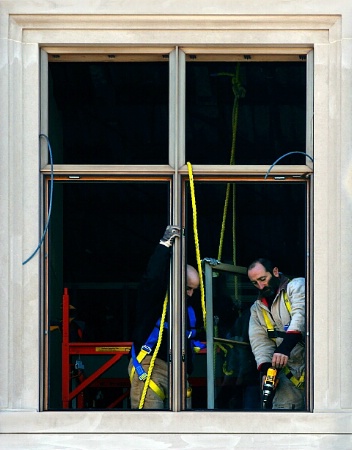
(283, 156)
(50, 200)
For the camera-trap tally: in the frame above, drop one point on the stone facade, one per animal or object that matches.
(28, 26)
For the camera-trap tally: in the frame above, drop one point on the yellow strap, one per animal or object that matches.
(154, 387)
(268, 323)
(299, 383)
(142, 354)
(225, 371)
(217, 346)
(148, 382)
(287, 303)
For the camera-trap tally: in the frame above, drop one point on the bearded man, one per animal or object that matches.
(276, 332)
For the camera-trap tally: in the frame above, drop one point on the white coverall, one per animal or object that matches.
(287, 395)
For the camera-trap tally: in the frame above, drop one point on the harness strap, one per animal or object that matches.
(272, 332)
(147, 348)
(299, 383)
(141, 373)
(196, 346)
(192, 322)
(287, 303)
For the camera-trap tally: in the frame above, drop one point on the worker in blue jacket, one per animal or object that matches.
(149, 308)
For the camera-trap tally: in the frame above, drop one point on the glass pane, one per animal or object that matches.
(109, 113)
(101, 238)
(245, 113)
(236, 384)
(260, 220)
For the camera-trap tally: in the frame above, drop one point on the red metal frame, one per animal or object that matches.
(116, 349)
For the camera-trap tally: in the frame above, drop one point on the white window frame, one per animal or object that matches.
(30, 32)
(177, 152)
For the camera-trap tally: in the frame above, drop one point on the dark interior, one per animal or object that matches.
(103, 231)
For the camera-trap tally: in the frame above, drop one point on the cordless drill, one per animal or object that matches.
(269, 387)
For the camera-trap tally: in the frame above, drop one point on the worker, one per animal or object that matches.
(151, 297)
(276, 331)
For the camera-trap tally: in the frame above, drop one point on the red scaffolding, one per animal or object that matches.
(115, 349)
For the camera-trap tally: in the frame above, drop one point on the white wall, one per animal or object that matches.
(24, 27)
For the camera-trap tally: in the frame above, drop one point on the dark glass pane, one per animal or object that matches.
(109, 113)
(262, 219)
(271, 118)
(237, 380)
(100, 240)
(110, 228)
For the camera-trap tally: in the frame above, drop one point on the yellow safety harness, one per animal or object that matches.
(148, 382)
(218, 345)
(274, 334)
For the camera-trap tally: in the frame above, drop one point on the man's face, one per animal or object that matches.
(191, 287)
(266, 282)
(192, 284)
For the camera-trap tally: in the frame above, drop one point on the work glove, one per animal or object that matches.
(171, 233)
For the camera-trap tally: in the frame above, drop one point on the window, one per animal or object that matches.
(122, 127)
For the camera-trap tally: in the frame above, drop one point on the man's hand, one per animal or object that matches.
(170, 234)
(279, 360)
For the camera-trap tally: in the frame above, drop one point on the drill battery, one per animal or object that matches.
(269, 387)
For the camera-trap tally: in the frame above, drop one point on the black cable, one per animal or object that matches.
(283, 156)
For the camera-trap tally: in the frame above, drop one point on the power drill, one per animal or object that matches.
(269, 387)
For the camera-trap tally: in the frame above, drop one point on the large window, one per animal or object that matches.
(122, 128)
